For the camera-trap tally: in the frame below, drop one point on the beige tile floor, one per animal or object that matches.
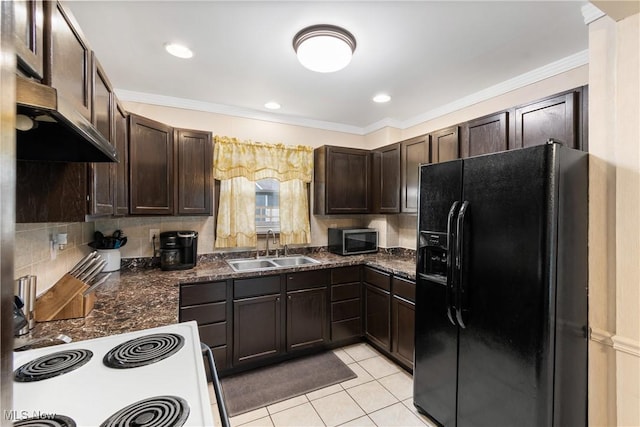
(380, 395)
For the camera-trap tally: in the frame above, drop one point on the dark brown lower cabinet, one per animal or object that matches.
(376, 323)
(403, 326)
(306, 318)
(256, 328)
(346, 303)
(206, 303)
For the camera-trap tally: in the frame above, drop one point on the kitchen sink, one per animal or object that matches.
(261, 264)
(294, 260)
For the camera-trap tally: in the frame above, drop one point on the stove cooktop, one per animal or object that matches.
(152, 376)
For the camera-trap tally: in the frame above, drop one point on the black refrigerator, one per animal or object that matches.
(501, 297)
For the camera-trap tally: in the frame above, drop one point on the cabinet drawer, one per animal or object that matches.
(377, 278)
(345, 310)
(345, 274)
(346, 329)
(345, 291)
(205, 313)
(213, 335)
(244, 288)
(200, 293)
(404, 288)
(307, 279)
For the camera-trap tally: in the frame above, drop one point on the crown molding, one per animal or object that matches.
(227, 110)
(533, 76)
(590, 13)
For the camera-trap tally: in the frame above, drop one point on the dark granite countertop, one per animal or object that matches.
(138, 299)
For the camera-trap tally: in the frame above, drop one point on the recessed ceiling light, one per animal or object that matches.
(381, 98)
(324, 48)
(178, 50)
(272, 105)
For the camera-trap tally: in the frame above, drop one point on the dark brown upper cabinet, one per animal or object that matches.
(29, 37)
(414, 151)
(485, 135)
(151, 154)
(67, 62)
(554, 117)
(445, 144)
(342, 178)
(386, 179)
(194, 161)
(102, 175)
(121, 141)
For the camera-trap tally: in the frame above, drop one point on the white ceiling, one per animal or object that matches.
(425, 54)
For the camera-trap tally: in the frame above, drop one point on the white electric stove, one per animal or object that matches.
(153, 377)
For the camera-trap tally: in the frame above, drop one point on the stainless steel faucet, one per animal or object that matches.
(274, 239)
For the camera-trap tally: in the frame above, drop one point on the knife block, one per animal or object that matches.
(64, 300)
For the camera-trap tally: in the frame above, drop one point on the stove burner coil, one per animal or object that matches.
(143, 351)
(52, 365)
(159, 411)
(55, 421)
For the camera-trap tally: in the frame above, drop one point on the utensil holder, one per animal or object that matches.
(65, 300)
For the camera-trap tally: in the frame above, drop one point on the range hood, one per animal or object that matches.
(61, 133)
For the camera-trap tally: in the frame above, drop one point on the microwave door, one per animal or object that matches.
(360, 242)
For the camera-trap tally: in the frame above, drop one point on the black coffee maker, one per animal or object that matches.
(178, 250)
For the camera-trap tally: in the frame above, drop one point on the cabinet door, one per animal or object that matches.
(377, 316)
(387, 180)
(413, 152)
(102, 175)
(121, 141)
(256, 328)
(150, 167)
(67, 62)
(29, 45)
(194, 151)
(306, 318)
(446, 144)
(348, 176)
(553, 117)
(403, 327)
(485, 135)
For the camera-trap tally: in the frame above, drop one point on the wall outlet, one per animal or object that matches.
(154, 232)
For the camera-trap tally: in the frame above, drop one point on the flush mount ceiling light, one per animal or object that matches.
(178, 50)
(381, 98)
(324, 48)
(272, 105)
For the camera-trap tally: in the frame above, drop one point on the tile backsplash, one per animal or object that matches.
(34, 254)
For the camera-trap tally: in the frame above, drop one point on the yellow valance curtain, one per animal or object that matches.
(238, 165)
(233, 158)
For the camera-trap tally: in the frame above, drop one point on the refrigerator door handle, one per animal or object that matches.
(450, 255)
(460, 262)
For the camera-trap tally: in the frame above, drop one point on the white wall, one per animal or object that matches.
(614, 223)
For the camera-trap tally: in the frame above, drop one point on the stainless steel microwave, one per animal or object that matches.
(353, 240)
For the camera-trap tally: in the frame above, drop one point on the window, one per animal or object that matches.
(267, 205)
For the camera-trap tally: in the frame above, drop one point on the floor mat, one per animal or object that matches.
(265, 386)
